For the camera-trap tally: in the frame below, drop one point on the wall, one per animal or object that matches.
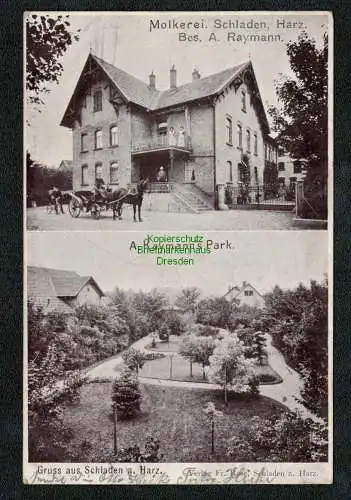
(202, 158)
(91, 121)
(88, 295)
(230, 104)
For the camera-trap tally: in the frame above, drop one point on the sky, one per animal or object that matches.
(285, 258)
(125, 40)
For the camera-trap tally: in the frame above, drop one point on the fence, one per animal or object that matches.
(259, 194)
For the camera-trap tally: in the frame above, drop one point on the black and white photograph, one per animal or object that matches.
(201, 121)
(135, 359)
(178, 260)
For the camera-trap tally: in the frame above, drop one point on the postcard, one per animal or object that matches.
(178, 253)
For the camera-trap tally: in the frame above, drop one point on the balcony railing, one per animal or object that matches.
(182, 143)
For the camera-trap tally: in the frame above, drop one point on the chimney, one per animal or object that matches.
(196, 74)
(244, 284)
(173, 77)
(152, 81)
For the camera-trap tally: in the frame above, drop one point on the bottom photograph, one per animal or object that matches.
(176, 349)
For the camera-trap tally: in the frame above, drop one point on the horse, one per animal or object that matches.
(123, 195)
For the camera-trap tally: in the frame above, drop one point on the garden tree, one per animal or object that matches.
(133, 359)
(228, 365)
(301, 118)
(213, 415)
(47, 39)
(164, 332)
(188, 299)
(41, 178)
(197, 350)
(175, 323)
(299, 329)
(214, 311)
(258, 345)
(137, 321)
(126, 395)
(47, 399)
(281, 438)
(150, 304)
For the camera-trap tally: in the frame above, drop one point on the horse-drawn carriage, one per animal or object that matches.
(87, 201)
(95, 203)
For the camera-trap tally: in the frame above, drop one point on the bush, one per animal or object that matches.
(126, 395)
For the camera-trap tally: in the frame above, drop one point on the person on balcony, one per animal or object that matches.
(171, 137)
(181, 137)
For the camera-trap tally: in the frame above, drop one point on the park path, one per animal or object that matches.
(284, 392)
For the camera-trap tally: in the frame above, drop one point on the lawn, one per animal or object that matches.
(160, 368)
(173, 415)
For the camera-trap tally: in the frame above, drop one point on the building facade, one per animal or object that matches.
(202, 133)
(290, 170)
(246, 295)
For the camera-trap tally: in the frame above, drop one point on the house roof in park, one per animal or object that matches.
(239, 289)
(66, 165)
(138, 92)
(50, 287)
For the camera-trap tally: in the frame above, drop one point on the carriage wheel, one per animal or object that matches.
(95, 211)
(74, 208)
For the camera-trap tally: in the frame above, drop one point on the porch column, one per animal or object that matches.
(221, 197)
(171, 160)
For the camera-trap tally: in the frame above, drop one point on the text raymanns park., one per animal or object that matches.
(177, 376)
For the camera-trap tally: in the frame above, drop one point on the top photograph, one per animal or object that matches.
(177, 121)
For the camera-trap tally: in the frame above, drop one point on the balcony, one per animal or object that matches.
(163, 143)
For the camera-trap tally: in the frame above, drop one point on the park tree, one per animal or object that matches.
(197, 350)
(126, 395)
(229, 366)
(47, 39)
(213, 416)
(214, 311)
(133, 359)
(299, 329)
(301, 117)
(258, 346)
(164, 333)
(188, 299)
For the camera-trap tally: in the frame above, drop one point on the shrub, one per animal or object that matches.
(126, 395)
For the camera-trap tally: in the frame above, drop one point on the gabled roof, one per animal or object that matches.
(46, 282)
(134, 90)
(66, 164)
(240, 289)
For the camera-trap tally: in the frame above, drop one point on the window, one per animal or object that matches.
(97, 100)
(240, 136)
(98, 171)
(243, 101)
(114, 172)
(84, 142)
(229, 171)
(114, 135)
(84, 101)
(85, 175)
(229, 128)
(248, 141)
(255, 143)
(98, 139)
(248, 293)
(265, 152)
(281, 166)
(297, 167)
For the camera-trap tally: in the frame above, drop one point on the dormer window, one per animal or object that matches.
(97, 100)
